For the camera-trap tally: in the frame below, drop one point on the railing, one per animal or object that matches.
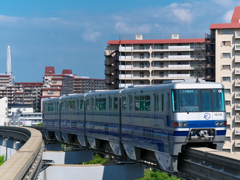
(237, 143)
(125, 75)
(178, 75)
(237, 131)
(125, 57)
(26, 162)
(125, 66)
(179, 66)
(179, 56)
(237, 71)
(124, 85)
(237, 83)
(237, 47)
(237, 94)
(237, 106)
(237, 119)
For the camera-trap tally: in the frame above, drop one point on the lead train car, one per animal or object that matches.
(151, 123)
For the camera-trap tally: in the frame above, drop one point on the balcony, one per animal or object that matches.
(237, 143)
(237, 71)
(237, 94)
(178, 56)
(237, 83)
(237, 59)
(178, 75)
(237, 131)
(179, 66)
(121, 48)
(125, 66)
(237, 107)
(237, 118)
(125, 75)
(237, 47)
(237, 34)
(124, 85)
(125, 57)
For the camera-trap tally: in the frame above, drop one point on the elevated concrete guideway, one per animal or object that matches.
(26, 162)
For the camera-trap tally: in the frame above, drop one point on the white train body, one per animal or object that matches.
(157, 119)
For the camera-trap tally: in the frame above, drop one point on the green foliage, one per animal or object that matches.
(156, 175)
(40, 124)
(97, 160)
(2, 159)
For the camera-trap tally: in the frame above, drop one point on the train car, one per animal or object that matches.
(152, 123)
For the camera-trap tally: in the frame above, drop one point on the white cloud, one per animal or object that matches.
(228, 16)
(223, 2)
(183, 14)
(91, 35)
(9, 19)
(156, 24)
(124, 28)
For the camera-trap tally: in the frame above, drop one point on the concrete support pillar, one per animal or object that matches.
(3, 146)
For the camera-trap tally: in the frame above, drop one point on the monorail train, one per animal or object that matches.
(152, 123)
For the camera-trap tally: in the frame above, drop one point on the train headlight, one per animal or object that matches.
(183, 124)
(220, 123)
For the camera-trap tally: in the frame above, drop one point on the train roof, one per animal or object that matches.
(176, 84)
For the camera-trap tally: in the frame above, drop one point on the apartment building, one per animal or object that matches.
(55, 85)
(6, 88)
(83, 84)
(226, 39)
(146, 62)
(28, 93)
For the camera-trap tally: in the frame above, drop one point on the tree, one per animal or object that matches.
(2, 159)
(97, 160)
(156, 175)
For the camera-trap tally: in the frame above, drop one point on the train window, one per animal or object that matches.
(96, 105)
(137, 107)
(73, 105)
(142, 103)
(104, 104)
(156, 102)
(189, 100)
(130, 103)
(162, 102)
(88, 104)
(115, 103)
(50, 106)
(124, 103)
(100, 104)
(110, 103)
(175, 102)
(78, 104)
(81, 104)
(218, 100)
(205, 97)
(57, 106)
(147, 103)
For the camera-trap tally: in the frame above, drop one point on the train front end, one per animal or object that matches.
(199, 115)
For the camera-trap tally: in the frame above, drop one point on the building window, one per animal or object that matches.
(226, 43)
(228, 126)
(141, 74)
(227, 91)
(228, 103)
(226, 67)
(226, 55)
(226, 79)
(228, 115)
(226, 31)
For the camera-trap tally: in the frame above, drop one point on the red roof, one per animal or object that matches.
(235, 23)
(236, 15)
(57, 78)
(67, 71)
(49, 70)
(18, 92)
(157, 41)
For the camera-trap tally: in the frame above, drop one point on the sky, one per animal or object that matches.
(73, 34)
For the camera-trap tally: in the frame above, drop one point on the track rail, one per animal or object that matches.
(26, 162)
(209, 164)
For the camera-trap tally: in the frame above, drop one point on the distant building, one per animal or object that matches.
(3, 110)
(28, 93)
(83, 84)
(13, 108)
(55, 85)
(145, 62)
(27, 118)
(6, 88)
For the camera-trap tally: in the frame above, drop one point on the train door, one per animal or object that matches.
(130, 107)
(155, 109)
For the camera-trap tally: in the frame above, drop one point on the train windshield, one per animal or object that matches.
(198, 100)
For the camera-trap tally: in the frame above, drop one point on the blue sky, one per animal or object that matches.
(73, 34)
